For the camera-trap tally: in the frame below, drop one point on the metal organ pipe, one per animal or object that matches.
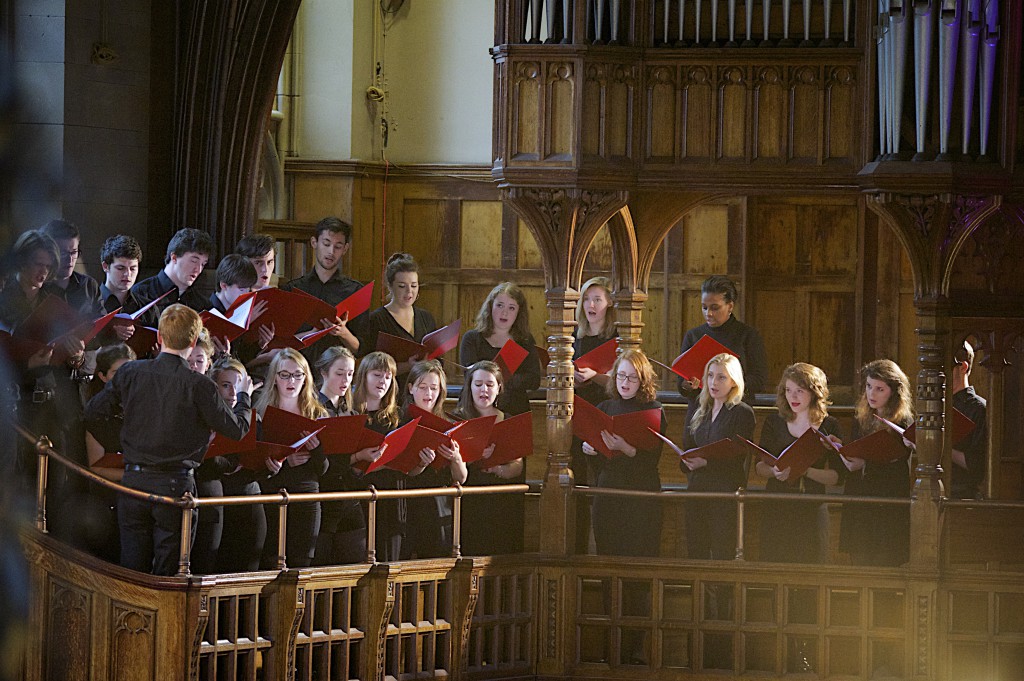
(731, 5)
(881, 38)
(970, 32)
(828, 22)
(766, 15)
(949, 40)
(616, 5)
(846, 21)
(897, 69)
(807, 24)
(924, 30)
(988, 70)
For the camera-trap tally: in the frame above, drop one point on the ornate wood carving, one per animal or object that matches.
(229, 55)
(133, 644)
(466, 591)
(202, 619)
(69, 630)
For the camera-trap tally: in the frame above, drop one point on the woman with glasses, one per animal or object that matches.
(627, 526)
(718, 413)
(291, 388)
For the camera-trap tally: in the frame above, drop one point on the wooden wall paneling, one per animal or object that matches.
(592, 141)
(481, 227)
(769, 111)
(699, 110)
(529, 252)
(653, 342)
(733, 118)
(365, 257)
(663, 119)
(560, 113)
(315, 196)
(705, 233)
(620, 118)
(773, 235)
(841, 120)
(419, 229)
(509, 238)
(885, 293)
(804, 115)
(831, 345)
(781, 320)
(599, 257)
(526, 103)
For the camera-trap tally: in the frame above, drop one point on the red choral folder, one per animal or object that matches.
(882, 446)
(635, 428)
(691, 364)
(722, 449)
(124, 319)
(110, 460)
(962, 427)
(512, 439)
(433, 346)
(797, 457)
(600, 359)
(342, 434)
(299, 341)
(287, 311)
(356, 304)
(220, 326)
(142, 341)
(222, 445)
(398, 454)
(253, 459)
(510, 357)
(472, 437)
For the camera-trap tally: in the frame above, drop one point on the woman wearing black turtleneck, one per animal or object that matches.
(717, 300)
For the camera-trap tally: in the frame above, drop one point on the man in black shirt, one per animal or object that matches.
(969, 455)
(80, 291)
(119, 258)
(169, 412)
(332, 241)
(187, 254)
(259, 249)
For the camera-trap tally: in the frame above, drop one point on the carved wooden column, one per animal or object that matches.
(564, 222)
(229, 56)
(931, 227)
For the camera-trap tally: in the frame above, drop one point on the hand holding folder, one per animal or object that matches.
(49, 325)
(401, 447)
(803, 453)
(720, 449)
(471, 435)
(691, 364)
(600, 359)
(880, 447)
(962, 427)
(512, 439)
(635, 427)
(433, 346)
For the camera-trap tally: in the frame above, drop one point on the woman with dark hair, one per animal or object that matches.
(491, 524)
(399, 316)
(879, 535)
(504, 316)
(717, 299)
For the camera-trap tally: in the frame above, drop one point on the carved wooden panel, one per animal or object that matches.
(133, 642)
(733, 114)
(805, 121)
(840, 118)
(770, 106)
(606, 127)
(68, 632)
(525, 103)
(698, 114)
(663, 119)
(560, 109)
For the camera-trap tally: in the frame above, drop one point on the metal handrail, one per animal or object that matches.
(188, 503)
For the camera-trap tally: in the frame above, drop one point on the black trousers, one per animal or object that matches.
(151, 533)
(245, 531)
(300, 544)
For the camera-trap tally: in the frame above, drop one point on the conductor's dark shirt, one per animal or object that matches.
(169, 412)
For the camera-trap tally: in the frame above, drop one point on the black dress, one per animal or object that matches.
(711, 525)
(514, 398)
(381, 321)
(303, 518)
(342, 538)
(492, 524)
(581, 463)
(746, 342)
(392, 514)
(627, 526)
(429, 518)
(795, 533)
(877, 535)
